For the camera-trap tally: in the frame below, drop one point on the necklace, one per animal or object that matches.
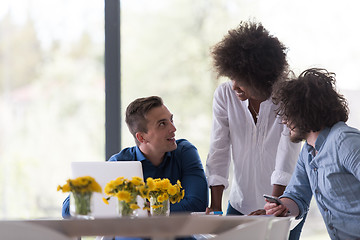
(256, 113)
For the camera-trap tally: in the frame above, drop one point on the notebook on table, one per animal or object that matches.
(104, 172)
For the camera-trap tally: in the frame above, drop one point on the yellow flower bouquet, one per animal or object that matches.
(82, 189)
(160, 192)
(126, 192)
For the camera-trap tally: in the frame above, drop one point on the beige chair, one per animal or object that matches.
(15, 230)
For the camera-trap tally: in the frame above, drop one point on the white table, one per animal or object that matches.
(153, 227)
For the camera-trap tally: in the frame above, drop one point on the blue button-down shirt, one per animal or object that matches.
(331, 173)
(182, 164)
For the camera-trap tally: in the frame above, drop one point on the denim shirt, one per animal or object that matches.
(332, 176)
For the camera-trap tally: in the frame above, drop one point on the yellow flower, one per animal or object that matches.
(126, 190)
(160, 198)
(164, 190)
(182, 195)
(105, 200)
(172, 190)
(179, 183)
(173, 199)
(81, 185)
(134, 206)
(165, 196)
(119, 181)
(83, 181)
(137, 181)
(109, 187)
(66, 188)
(157, 206)
(95, 187)
(151, 184)
(144, 193)
(124, 195)
(163, 184)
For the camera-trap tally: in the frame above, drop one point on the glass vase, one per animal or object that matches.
(81, 205)
(159, 208)
(124, 209)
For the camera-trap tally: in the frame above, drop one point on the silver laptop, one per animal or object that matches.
(104, 172)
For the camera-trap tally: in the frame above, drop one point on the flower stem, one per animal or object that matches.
(82, 203)
(124, 208)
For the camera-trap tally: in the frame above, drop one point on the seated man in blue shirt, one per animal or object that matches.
(161, 156)
(328, 167)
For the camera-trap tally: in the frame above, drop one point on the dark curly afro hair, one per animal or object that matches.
(251, 56)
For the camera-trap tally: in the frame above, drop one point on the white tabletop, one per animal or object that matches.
(153, 227)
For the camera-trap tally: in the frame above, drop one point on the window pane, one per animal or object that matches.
(51, 99)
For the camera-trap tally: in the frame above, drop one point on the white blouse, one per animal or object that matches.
(262, 153)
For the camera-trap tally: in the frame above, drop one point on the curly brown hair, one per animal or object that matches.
(310, 102)
(135, 116)
(251, 56)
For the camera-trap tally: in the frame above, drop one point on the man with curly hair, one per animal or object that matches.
(328, 167)
(245, 127)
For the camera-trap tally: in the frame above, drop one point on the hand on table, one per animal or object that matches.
(210, 211)
(258, 212)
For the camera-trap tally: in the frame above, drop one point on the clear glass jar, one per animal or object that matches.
(159, 208)
(81, 205)
(124, 209)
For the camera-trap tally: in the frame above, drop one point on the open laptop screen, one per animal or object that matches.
(104, 172)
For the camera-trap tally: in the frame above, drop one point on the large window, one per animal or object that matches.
(51, 100)
(52, 103)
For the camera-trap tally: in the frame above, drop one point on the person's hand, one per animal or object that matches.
(276, 210)
(208, 211)
(258, 212)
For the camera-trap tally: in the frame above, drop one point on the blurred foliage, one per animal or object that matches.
(16, 43)
(52, 113)
(166, 52)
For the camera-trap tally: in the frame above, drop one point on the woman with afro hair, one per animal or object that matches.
(245, 126)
